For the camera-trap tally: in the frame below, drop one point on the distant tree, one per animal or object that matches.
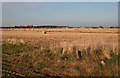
(31, 26)
(111, 27)
(100, 26)
(20, 26)
(28, 26)
(16, 26)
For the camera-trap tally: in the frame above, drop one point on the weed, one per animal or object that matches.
(33, 61)
(112, 73)
(61, 50)
(98, 52)
(100, 67)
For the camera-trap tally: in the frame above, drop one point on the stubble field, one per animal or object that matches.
(60, 52)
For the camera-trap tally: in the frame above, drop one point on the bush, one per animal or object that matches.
(100, 26)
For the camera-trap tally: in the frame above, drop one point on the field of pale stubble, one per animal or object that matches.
(102, 44)
(70, 37)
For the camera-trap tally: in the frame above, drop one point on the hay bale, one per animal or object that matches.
(44, 32)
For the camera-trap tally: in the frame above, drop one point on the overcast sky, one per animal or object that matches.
(60, 13)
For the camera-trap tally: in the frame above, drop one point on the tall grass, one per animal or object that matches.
(31, 61)
(60, 54)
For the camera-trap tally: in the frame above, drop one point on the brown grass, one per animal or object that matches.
(76, 52)
(66, 40)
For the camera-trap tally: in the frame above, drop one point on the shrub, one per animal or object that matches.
(100, 26)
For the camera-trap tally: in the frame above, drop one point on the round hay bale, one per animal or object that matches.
(44, 32)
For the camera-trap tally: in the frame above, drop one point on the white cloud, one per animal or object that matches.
(60, 0)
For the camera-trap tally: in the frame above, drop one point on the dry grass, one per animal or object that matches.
(72, 52)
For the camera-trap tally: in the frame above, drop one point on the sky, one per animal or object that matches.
(59, 0)
(0, 14)
(60, 13)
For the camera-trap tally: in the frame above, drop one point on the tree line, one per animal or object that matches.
(50, 26)
(37, 27)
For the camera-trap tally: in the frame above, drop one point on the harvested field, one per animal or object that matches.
(60, 52)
